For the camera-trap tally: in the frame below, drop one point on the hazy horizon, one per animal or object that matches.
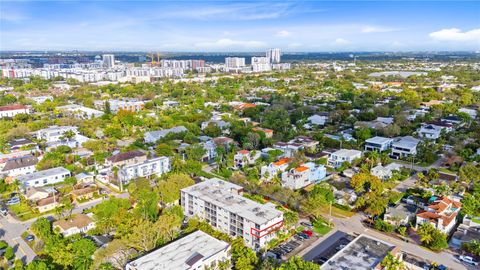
(240, 26)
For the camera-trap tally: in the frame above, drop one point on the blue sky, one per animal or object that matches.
(224, 26)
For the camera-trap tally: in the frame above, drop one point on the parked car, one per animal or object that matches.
(303, 235)
(306, 224)
(14, 200)
(468, 259)
(4, 211)
(30, 238)
(308, 232)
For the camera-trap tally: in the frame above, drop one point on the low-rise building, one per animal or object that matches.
(385, 172)
(244, 158)
(34, 194)
(80, 112)
(125, 159)
(150, 167)
(378, 144)
(441, 212)
(85, 178)
(268, 132)
(337, 158)
(318, 119)
(45, 177)
(273, 169)
(83, 193)
(466, 232)
(20, 166)
(22, 143)
(401, 214)
(304, 175)
(12, 110)
(197, 250)
(47, 204)
(222, 205)
(404, 147)
(154, 136)
(79, 223)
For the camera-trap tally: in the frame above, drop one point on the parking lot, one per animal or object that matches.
(293, 245)
(325, 250)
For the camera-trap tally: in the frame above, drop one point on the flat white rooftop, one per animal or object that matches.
(42, 174)
(225, 195)
(180, 254)
(378, 140)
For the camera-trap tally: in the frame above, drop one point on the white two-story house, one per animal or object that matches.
(337, 158)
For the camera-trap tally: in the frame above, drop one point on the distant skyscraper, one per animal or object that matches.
(234, 62)
(274, 55)
(260, 64)
(108, 60)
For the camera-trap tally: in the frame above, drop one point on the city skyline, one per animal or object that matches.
(240, 26)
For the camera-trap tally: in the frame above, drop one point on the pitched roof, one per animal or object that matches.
(12, 107)
(78, 221)
(48, 201)
(125, 156)
(301, 169)
(281, 162)
(20, 162)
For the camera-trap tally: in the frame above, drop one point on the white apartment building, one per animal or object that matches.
(45, 177)
(12, 110)
(116, 105)
(108, 60)
(244, 158)
(304, 175)
(274, 55)
(261, 64)
(378, 144)
(234, 63)
(155, 166)
(222, 205)
(197, 250)
(337, 158)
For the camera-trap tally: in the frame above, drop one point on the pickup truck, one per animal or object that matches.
(468, 259)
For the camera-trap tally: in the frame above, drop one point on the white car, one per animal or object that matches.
(468, 260)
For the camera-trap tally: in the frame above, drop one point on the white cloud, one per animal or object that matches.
(376, 29)
(455, 34)
(229, 43)
(341, 41)
(283, 33)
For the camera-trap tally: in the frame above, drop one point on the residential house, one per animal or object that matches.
(346, 196)
(47, 204)
(45, 177)
(304, 175)
(34, 194)
(308, 143)
(83, 193)
(197, 250)
(57, 135)
(150, 167)
(224, 142)
(12, 110)
(78, 223)
(433, 130)
(404, 147)
(441, 212)
(268, 132)
(223, 125)
(471, 112)
(273, 169)
(337, 158)
(210, 151)
(244, 158)
(455, 120)
(23, 143)
(467, 231)
(401, 214)
(289, 149)
(20, 166)
(133, 104)
(379, 144)
(79, 111)
(154, 136)
(85, 178)
(385, 172)
(222, 205)
(125, 159)
(318, 119)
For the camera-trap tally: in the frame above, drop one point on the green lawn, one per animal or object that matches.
(23, 211)
(321, 227)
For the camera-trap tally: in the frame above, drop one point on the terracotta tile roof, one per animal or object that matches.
(244, 152)
(301, 169)
(48, 201)
(281, 162)
(12, 107)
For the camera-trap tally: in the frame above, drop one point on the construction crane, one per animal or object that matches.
(152, 59)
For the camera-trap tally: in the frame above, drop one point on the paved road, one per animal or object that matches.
(354, 225)
(11, 230)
